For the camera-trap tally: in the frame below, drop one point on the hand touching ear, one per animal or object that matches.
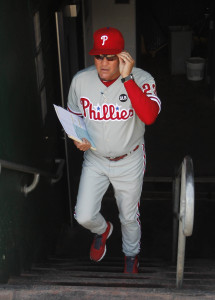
(126, 63)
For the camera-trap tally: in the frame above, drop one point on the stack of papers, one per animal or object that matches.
(73, 125)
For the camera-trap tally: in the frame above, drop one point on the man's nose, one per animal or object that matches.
(105, 61)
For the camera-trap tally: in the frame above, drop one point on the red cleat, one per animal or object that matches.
(131, 264)
(98, 247)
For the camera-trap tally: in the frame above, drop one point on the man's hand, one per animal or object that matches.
(126, 63)
(84, 146)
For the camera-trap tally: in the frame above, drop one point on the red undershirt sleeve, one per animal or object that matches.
(146, 108)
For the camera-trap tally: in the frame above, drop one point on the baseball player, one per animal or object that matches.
(116, 101)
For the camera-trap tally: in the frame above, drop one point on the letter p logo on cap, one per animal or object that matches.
(107, 40)
(104, 39)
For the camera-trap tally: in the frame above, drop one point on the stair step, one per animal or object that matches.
(69, 278)
(127, 281)
(101, 293)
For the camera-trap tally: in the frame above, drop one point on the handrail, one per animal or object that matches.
(183, 212)
(27, 189)
(55, 177)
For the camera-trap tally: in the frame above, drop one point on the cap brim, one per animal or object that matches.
(105, 51)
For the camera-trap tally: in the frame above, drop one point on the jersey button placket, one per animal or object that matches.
(105, 139)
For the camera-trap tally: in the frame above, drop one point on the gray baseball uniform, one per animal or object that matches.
(116, 130)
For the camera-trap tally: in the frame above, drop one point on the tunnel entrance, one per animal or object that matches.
(40, 227)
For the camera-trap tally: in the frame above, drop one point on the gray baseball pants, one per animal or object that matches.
(126, 177)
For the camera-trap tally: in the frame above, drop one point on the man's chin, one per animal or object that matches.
(108, 77)
(105, 76)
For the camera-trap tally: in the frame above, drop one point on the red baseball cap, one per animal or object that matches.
(107, 40)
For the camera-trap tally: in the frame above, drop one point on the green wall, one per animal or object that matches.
(29, 225)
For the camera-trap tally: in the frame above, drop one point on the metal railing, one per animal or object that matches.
(183, 209)
(55, 177)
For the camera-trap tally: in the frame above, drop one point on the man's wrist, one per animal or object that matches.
(129, 77)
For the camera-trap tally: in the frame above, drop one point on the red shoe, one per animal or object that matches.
(98, 247)
(131, 264)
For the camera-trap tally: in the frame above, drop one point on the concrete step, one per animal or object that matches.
(38, 292)
(69, 278)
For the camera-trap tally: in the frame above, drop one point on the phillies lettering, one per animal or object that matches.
(105, 112)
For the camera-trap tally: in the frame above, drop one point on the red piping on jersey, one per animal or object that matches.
(146, 109)
(78, 114)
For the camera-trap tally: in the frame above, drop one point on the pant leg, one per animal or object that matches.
(92, 187)
(128, 187)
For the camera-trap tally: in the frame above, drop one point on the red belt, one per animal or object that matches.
(122, 156)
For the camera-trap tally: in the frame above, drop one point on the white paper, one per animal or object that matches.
(73, 125)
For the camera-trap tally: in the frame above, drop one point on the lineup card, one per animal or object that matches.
(73, 125)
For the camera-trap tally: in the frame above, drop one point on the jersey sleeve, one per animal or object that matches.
(143, 96)
(72, 104)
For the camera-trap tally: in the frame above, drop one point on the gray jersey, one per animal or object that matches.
(108, 113)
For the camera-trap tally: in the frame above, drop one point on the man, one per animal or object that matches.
(116, 100)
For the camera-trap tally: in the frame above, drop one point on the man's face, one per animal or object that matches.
(107, 69)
